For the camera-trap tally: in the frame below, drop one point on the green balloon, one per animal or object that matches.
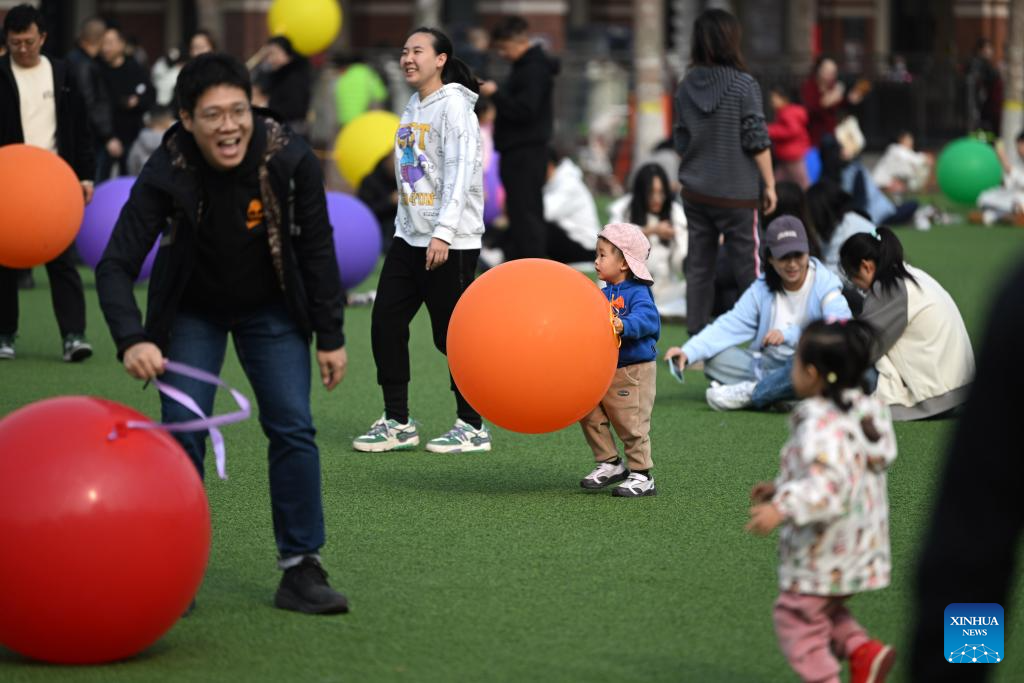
(966, 168)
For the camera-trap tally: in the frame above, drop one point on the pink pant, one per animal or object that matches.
(813, 630)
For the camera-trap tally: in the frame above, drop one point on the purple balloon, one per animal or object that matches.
(356, 237)
(99, 219)
(494, 192)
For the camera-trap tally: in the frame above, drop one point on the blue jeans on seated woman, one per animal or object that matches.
(275, 357)
(771, 372)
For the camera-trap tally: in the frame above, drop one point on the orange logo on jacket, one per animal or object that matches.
(254, 214)
(618, 303)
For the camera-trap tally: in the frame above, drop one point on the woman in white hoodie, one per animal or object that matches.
(433, 257)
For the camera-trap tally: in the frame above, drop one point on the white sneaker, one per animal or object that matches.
(6, 347)
(387, 435)
(462, 438)
(635, 486)
(605, 473)
(923, 218)
(492, 256)
(730, 396)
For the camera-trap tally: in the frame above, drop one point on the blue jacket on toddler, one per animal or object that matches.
(641, 325)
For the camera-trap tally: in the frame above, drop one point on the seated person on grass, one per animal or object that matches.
(796, 290)
(1005, 204)
(924, 358)
(653, 206)
(570, 213)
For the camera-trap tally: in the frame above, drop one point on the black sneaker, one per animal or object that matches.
(76, 348)
(304, 588)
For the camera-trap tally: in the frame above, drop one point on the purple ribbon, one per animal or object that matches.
(210, 423)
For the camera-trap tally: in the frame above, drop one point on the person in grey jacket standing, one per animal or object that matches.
(721, 136)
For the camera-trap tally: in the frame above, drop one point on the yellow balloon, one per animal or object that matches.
(361, 144)
(311, 25)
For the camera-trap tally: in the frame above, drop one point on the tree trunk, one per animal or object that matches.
(1013, 102)
(649, 66)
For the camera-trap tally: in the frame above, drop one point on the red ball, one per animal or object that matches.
(531, 346)
(105, 540)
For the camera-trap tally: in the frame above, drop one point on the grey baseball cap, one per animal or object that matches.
(786, 235)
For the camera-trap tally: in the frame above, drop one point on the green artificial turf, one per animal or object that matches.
(498, 566)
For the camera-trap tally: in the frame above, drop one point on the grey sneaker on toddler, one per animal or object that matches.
(635, 486)
(605, 473)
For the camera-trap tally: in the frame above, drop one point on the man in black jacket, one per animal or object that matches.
(131, 95)
(246, 250)
(40, 105)
(522, 131)
(83, 59)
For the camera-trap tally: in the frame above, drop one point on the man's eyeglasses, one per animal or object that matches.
(214, 118)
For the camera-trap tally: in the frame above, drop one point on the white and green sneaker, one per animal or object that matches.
(462, 438)
(388, 435)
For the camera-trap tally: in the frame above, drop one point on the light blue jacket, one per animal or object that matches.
(750, 318)
(853, 223)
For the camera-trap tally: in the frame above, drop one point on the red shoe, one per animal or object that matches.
(871, 662)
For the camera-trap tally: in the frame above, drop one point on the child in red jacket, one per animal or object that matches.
(790, 139)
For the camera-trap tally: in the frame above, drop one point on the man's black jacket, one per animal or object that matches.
(167, 202)
(74, 135)
(525, 113)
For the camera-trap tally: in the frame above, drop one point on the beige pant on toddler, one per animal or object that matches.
(626, 406)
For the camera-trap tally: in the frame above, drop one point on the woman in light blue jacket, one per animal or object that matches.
(770, 314)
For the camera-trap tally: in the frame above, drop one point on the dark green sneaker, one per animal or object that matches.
(388, 435)
(462, 438)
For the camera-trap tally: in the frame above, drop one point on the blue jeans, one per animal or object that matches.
(771, 373)
(275, 357)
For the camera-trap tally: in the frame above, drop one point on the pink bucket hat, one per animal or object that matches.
(633, 244)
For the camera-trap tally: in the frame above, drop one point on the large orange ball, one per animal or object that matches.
(42, 206)
(531, 346)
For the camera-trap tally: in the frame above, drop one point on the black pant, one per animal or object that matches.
(65, 290)
(562, 248)
(523, 173)
(405, 284)
(726, 293)
(742, 239)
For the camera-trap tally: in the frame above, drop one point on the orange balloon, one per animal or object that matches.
(42, 207)
(531, 347)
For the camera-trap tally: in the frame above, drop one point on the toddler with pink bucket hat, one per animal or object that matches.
(622, 249)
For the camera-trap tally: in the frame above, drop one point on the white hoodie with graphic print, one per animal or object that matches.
(439, 170)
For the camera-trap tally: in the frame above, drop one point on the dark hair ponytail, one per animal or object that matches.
(455, 70)
(841, 352)
(884, 248)
(827, 205)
